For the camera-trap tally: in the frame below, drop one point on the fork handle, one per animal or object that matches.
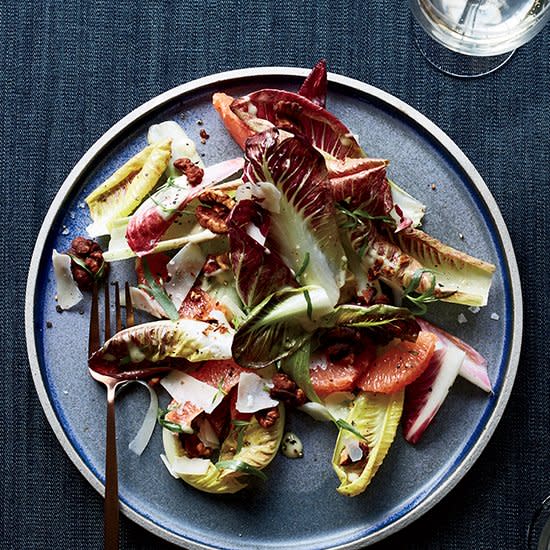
(111, 511)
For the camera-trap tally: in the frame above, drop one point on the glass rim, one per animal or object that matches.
(456, 42)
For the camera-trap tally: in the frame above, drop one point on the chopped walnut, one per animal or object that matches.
(213, 197)
(91, 255)
(267, 417)
(215, 213)
(342, 343)
(286, 390)
(193, 172)
(216, 264)
(194, 447)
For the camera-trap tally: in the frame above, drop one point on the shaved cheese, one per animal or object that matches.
(252, 395)
(264, 192)
(207, 435)
(138, 444)
(354, 451)
(184, 465)
(68, 293)
(253, 231)
(319, 361)
(166, 462)
(186, 389)
(182, 145)
(144, 302)
(183, 270)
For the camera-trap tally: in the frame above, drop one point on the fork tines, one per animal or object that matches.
(94, 340)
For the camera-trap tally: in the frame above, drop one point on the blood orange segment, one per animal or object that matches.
(335, 376)
(399, 364)
(239, 131)
(223, 374)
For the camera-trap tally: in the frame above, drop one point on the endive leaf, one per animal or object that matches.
(277, 327)
(259, 447)
(467, 277)
(297, 367)
(376, 417)
(124, 191)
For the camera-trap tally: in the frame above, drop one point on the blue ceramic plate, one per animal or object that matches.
(298, 506)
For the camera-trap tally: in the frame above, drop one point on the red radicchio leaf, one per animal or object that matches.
(363, 182)
(299, 116)
(258, 271)
(314, 87)
(306, 223)
(153, 218)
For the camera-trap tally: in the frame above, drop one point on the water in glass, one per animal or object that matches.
(481, 27)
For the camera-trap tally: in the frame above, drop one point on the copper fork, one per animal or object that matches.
(111, 510)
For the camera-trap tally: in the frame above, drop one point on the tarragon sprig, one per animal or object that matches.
(358, 216)
(425, 297)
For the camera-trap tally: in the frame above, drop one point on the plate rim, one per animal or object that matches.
(516, 332)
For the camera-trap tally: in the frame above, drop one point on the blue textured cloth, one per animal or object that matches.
(69, 70)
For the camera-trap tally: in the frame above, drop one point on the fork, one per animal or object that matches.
(111, 507)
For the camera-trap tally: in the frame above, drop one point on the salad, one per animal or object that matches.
(294, 276)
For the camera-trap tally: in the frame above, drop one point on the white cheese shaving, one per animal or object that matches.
(144, 302)
(253, 393)
(68, 293)
(166, 462)
(253, 231)
(184, 465)
(184, 388)
(183, 270)
(207, 435)
(319, 361)
(355, 452)
(140, 441)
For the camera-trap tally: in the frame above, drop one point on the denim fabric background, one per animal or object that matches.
(69, 70)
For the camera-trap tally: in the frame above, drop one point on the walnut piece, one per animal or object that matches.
(286, 390)
(91, 255)
(193, 172)
(267, 417)
(214, 211)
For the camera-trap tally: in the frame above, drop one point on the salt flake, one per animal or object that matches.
(462, 318)
(495, 316)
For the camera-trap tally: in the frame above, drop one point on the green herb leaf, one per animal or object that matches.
(309, 304)
(240, 466)
(240, 427)
(303, 267)
(343, 425)
(426, 297)
(221, 391)
(159, 294)
(356, 217)
(240, 423)
(176, 428)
